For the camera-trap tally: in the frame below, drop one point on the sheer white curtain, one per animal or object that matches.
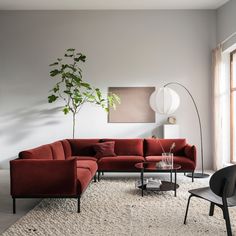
(217, 109)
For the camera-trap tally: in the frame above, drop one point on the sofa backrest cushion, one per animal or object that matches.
(67, 148)
(153, 146)
(41, 152)
(83, 147)
(127, 147)
(57, 151)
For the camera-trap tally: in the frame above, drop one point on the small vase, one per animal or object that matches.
(167, 158)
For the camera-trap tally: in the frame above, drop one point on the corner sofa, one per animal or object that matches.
(65, 168)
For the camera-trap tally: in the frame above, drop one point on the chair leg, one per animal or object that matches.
(212, 208)
(193, 176)
(227, 220)
(78, 204)
(186, 213)
(14, 205)
(102, 173)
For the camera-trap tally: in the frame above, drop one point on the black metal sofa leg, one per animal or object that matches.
(99, 173)
(212, 207)
(14, 205)
(95, 177)
(193, 176)
(186, 213)
(78, 204)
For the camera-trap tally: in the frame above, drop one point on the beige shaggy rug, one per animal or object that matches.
(114, 206)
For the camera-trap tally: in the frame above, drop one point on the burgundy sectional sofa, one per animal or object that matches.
(65, 168)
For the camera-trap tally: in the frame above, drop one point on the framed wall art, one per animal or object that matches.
(134, 106)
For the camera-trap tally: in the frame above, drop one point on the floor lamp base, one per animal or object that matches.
(198, 175)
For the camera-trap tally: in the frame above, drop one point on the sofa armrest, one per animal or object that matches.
(43, 177)
(191, 152)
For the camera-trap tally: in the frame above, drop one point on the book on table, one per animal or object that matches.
(154, 183)
(149, 183)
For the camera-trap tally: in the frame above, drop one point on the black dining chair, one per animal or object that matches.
(221, 193)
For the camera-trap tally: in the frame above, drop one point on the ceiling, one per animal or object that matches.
(108, 4)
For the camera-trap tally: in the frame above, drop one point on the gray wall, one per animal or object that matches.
(226, 22)
(124, 48)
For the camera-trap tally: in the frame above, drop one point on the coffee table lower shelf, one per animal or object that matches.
(149, 167)
(165, 186)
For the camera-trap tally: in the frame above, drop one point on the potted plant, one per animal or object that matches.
(72, 89)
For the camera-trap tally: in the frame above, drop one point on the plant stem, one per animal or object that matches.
(73, 125)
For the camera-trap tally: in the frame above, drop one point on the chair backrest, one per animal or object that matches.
(221, 177)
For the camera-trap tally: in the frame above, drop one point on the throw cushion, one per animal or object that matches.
(105, 149)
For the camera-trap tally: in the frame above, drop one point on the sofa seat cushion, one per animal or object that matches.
(153, 147)
(119, 163)
(186, 163)
(57, 151)
(87, 164)
(127, 147)
(41, 152)
(85, 158)
(83, 179)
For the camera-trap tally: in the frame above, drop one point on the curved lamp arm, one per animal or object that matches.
(198, 115)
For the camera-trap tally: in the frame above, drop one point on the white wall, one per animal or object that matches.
(226, 26)
(123, 48)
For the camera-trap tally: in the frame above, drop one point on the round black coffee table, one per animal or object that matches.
(154, 167)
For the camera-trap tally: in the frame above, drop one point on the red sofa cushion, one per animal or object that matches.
(67, 148)
(127, 147)
(83, 179)
(88, 164)
(85, 158)
(119, 163)
(83, 147)
(57, 151)
(43, 177)
(190, 152)
(186, 163)
(105, 149)
(41, 152)
(153, 147)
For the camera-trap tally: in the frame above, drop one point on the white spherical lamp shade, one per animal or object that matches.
(164, 101)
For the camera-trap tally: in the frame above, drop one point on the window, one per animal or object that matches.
(233, 106)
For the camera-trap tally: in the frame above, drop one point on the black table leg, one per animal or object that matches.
(175, 182)
(142, 180)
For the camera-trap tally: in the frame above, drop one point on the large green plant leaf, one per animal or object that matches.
(66, 110)
(52, 98)
(54, 72)
(71, 87)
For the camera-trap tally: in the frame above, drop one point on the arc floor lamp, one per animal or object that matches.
(166, 101)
